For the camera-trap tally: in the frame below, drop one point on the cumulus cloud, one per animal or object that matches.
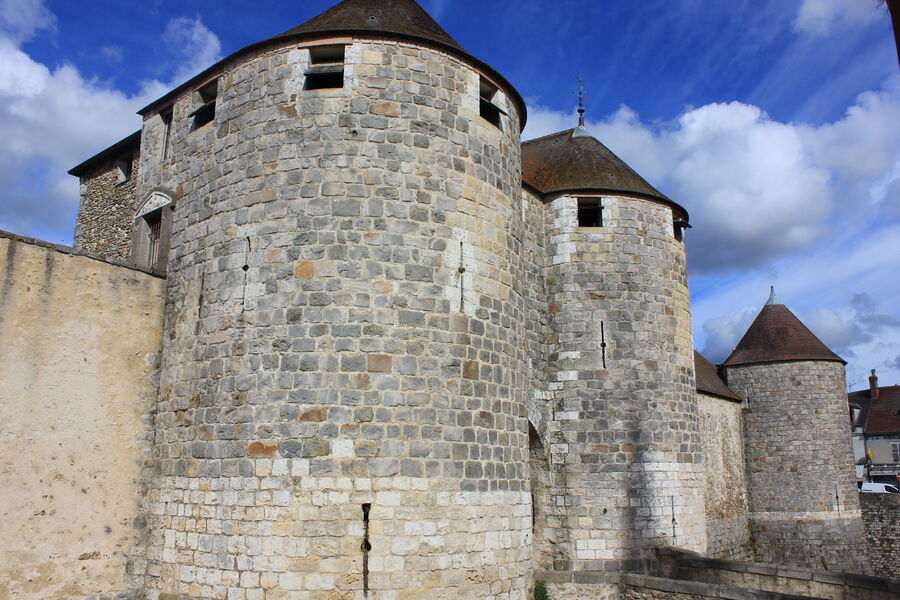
(821, 17)
(758, 189)
(723, 333)
(21, 19)
(53, 119)
(194, 47)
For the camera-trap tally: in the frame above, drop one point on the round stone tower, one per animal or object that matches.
(341, 412)
(623, 431)
(804, 505)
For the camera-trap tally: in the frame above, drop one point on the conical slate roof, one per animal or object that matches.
(778, 336)
(566, 162)
(708, 380)
(399, 17)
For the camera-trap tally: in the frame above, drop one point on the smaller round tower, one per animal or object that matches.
(804, 507)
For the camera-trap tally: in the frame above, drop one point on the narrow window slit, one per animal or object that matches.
(487, 108)
(603, 343)
(461, 270)
(366, 547)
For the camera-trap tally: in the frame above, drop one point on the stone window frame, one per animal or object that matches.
(489, 99)
(155, 210)
(582, 206)
(326, 66)
(124, 168)
(205, 98)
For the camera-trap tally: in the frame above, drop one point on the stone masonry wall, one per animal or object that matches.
(881, 515)
(105, 223)
(79, 343)
(803, 499)
(345, 328)
(624, 439)
(727, 509)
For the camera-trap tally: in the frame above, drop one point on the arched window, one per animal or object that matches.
(152, 228)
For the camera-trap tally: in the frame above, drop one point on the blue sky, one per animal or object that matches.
(775, 122)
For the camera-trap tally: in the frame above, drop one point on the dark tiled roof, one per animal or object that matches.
(401, 17)
(130, 144)
(883, 415)
(563, 163)
(708, 380)
(394, 19)
(778, 336)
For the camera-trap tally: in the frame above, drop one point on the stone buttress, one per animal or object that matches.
(341, 412)
(623, 426)
(804, 505)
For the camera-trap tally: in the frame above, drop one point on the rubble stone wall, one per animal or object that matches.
(105, 223)
(881, 515)
(727, 509)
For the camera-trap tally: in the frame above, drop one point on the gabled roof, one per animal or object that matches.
(708, 380)
(129, 145)
(563, 162)
(883, 417)
(393, 19)
(778, 336)
(401, 17)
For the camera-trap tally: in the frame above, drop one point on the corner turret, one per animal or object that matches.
(804, 507)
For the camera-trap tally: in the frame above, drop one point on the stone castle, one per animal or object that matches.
(359, 341)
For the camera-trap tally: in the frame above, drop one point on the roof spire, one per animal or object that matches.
(773, 299)
(580, 131)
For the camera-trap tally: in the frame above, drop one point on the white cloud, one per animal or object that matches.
(21, 19)
(758, 189)
(723, 333)
(821, 17)
(53, 119)
(194, 46)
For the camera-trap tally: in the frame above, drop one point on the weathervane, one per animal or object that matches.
(580, 93)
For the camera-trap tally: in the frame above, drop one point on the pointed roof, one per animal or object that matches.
(393, 19)
(778, 336)
(708, 380)
(400, 17)
(574, 161)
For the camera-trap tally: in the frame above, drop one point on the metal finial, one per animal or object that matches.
(580, 131)
(581, 93)
(773, 299)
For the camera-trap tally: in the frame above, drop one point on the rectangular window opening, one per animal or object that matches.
(166, 117)
(123, 168)
(326, 69)
(207, 111)
(488, 110)
(154, 225)
(895, 452)
(590, 212)
(679, 227)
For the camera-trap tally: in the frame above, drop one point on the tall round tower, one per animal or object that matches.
(341, 406)
(623, 433)
(804, 505)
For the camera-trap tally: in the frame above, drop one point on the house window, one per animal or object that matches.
(488, 110)
(895, 452)
(207, 100)
(679, 227)
(123, 168)
(166, 117)
(590, 212)
(326, 70)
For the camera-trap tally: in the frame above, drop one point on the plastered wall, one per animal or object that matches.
(78, 347)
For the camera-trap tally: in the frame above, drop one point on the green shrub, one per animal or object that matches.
(540, 591)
